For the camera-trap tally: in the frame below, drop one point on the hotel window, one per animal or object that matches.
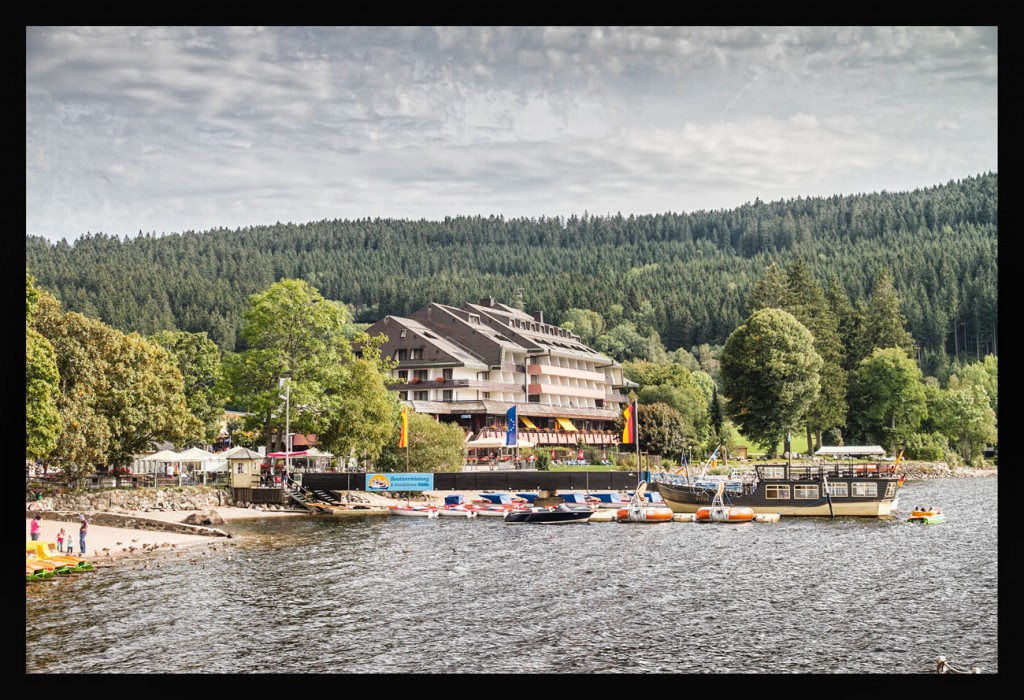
(447, 374)
(420, 374)
(416, 354)
(403, 333)
(776, 491)
(839, 489)
(865, 489)
(473, 318)
(401, 354)
(446, 395)
(403, 374)
(806, 492)
(403, 395)
(419, 396)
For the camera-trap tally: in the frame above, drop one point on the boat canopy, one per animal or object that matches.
(531, 497)
(610, 497)
(574, 497)
(849, 451)
(453, 499)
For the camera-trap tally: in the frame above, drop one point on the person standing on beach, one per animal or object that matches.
(60, 540)
(36, 527)
(82, 532)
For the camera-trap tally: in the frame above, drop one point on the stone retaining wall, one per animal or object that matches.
(131, 522)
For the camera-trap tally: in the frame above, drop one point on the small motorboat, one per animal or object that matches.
(561, 514)
(457, 511)
(414, 511)
(927, 515)
(719, 512)
(638, 511)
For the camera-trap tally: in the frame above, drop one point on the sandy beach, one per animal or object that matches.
(111, 545)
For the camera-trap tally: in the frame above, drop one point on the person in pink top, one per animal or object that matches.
(36, 527)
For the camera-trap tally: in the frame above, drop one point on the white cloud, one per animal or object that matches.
(169, 129)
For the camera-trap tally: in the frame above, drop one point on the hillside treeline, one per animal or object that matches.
(683, 276)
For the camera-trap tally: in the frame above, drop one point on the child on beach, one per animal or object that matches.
(60, 540)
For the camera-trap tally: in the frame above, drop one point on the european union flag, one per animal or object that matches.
(512, 434)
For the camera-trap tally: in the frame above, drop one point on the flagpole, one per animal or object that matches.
(636, 436)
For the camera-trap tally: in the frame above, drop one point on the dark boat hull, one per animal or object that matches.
(862, 495)
(549, 517)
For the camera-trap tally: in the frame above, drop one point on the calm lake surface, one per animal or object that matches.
(409, 595)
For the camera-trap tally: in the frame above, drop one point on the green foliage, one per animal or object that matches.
(543, 462)
(42, 383)
(928, 447)
(119, 394)
(684, 276)
(198, 360)
(965, 417)
(433, 446)
(770, 370)
(888, 397)
(661, 430)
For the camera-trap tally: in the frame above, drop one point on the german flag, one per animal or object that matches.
(403, 439)
(629, 427)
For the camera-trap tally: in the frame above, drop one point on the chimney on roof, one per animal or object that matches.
(538, 316)
(487, 301)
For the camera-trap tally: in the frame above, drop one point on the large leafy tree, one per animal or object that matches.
(888, 396)
(359, 411)
(198, 359)
(965, 417)
(433, 447)
(300, 346)
(670, 383)
(296, 337)
(770, 372)
(799, 293)
(42, 383)
(119, 393)
(661, 430)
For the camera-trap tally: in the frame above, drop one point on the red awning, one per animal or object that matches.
(282, 455)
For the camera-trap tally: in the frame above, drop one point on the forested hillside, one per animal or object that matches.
(684, 276)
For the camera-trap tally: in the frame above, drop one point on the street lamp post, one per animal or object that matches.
(287, 427)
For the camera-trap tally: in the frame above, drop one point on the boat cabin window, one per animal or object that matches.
(839, 489)
(777, 491)
(773, 472)
(805, 491)
(890, 490)
(865, 489)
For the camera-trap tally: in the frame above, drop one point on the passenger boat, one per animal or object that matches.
(557, 515)
(787, 489)
(927, 515)
(640, 512)
(414, 511)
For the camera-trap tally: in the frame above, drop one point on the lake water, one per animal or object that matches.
(409, 595)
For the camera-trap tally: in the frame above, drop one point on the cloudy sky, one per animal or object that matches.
(173, 129)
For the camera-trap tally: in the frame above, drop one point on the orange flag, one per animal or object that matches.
(403, 439)
(629, 427)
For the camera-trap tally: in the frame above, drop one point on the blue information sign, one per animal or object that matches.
(399, 482)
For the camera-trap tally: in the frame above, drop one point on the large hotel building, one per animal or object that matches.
(470, 365)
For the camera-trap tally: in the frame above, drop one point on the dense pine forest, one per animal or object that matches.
(685, 277)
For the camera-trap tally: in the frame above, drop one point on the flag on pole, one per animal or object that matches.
(403, 439)
(629, 427)
(512, 428)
